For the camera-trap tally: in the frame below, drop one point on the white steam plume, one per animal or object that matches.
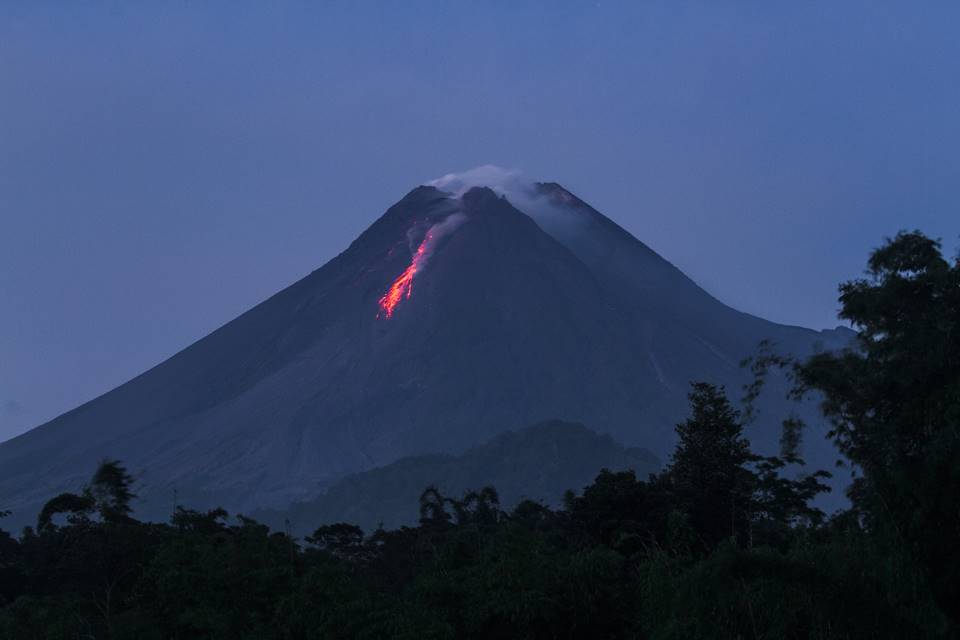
(559, 221)
(502, 181)
(438, 231)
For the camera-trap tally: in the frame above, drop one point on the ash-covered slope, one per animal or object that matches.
(688, 334)
(449, 320)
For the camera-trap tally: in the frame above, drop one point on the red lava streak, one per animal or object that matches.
(402, 287)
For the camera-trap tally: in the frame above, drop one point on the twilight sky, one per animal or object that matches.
(165, 167)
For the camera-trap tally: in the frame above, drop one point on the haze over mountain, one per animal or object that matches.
(474, 305)
(539, 463)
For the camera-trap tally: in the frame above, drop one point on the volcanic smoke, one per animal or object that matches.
(402, 287)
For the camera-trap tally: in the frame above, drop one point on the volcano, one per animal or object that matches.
(458, 315)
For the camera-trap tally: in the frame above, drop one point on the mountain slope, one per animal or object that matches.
(688, 334)
(451, 319)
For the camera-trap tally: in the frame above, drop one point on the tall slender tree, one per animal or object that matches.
(708, 473)
(111, 490)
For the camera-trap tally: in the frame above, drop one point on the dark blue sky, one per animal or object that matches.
(165, 167)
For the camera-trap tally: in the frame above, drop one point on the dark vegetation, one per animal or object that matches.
(722, 543)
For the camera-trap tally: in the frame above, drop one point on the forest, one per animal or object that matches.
(721, 543)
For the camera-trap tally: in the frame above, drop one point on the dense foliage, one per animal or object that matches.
(722, 543)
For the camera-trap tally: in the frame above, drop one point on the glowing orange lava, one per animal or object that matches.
(402, 287)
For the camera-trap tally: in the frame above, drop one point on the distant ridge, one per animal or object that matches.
(538, 463)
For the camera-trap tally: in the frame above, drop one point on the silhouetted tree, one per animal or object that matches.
(477, 507)
(110, 489)
(11, 576)
(77, 507)
(894, 403)
(342, 540)
(780, 503)
(206, 522)
(617, 510)
(433, 508)
(708, 474)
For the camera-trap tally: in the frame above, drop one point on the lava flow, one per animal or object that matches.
(402, 287)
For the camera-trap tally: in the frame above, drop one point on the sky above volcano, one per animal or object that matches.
(165, 166)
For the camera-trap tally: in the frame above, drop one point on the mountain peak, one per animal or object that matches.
(557, 191)
(496, 178)
(479, 194)
(420, 198)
